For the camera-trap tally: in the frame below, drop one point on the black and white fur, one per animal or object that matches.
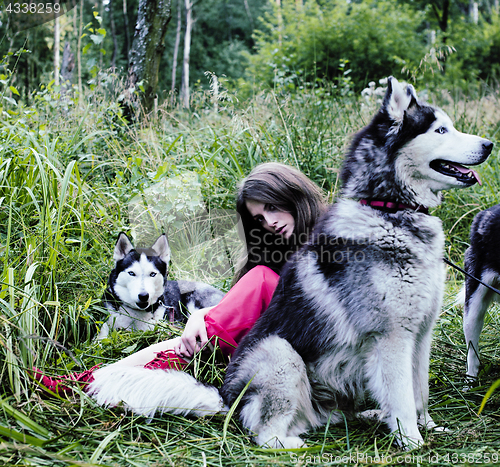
(482, 260)
(354, 309)
(139, 295)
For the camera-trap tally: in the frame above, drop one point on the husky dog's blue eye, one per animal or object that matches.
(131, 273)
(441, 130)
(153, 274)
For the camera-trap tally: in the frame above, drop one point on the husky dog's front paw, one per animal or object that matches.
(370, 416)
(470, 383)
(408, 443)
(425, 421)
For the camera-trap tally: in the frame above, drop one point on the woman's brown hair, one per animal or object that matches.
(289, 190)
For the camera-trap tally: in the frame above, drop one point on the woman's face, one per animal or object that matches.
(271, 218)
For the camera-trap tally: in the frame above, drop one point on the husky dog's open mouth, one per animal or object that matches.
(452, 169)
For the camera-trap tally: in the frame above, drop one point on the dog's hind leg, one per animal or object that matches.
(277, 407)
(476, 304)
(390, 381)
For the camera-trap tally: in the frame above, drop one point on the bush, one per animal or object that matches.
(315, 42)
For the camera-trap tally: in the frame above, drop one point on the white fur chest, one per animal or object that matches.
(401, 266)
(132, 320)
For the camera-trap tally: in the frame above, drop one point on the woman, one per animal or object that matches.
(278, 206)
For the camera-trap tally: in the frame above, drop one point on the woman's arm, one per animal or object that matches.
(194, 336)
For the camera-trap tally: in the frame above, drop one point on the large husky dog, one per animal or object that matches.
(139, 295)
(353, 312)
(482, 260)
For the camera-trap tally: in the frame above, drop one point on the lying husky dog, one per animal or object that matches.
(353, 312)
(139, 295)
(482, 261)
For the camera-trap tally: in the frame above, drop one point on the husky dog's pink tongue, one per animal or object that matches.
(466, 171)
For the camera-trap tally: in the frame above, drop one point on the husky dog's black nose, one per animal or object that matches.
(487, 146)
(143, 297)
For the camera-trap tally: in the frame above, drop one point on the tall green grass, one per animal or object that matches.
(68, 172)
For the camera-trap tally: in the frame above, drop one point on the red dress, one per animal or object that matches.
(233, 317)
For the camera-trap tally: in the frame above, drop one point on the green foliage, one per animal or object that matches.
(311, 42)
(364, 41)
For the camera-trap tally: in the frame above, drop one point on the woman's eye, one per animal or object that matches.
(131, 273)
(441, 130)
(271, 207)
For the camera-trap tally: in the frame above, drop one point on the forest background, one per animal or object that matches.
(91, 139)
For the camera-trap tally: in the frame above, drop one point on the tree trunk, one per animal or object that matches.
(176, 46)
(67, 66)
(79, 52)
(147, 48)
(113, 35)
(57, 39)
(127, 30)
(442, 16)
(187, 51)
(280, 22)
(249, 14)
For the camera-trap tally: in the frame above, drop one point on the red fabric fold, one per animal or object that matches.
(240, 308)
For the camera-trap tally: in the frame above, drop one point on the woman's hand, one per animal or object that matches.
(194, 336)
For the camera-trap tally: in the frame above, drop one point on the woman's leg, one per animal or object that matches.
(147, 357)
(237, 312)
(142, 357)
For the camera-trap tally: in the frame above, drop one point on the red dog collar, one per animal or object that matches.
(391, 206)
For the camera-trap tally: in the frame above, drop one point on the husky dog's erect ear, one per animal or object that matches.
(122, 248)
(398, 99)
(162, 249)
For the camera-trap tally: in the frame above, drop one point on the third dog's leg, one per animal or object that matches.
(389, 369)
(474, 313)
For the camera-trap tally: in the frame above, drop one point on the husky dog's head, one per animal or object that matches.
(139, 274)
(410, 152)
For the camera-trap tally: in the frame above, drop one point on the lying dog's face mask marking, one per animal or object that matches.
(141, 284)
(141, 273)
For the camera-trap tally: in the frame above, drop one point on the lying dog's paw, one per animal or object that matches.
(285, 442)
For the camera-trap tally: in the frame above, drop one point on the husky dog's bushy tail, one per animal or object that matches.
(147, 392)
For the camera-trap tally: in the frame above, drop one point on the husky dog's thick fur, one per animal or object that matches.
(482, 260)
(139, 295)
(352, 315)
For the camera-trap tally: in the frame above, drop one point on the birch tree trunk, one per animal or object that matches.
(79, 51)
(176, 46)
(187, 51)
(280, 22)
(57, 57)
(67, 66)
(147, 48)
